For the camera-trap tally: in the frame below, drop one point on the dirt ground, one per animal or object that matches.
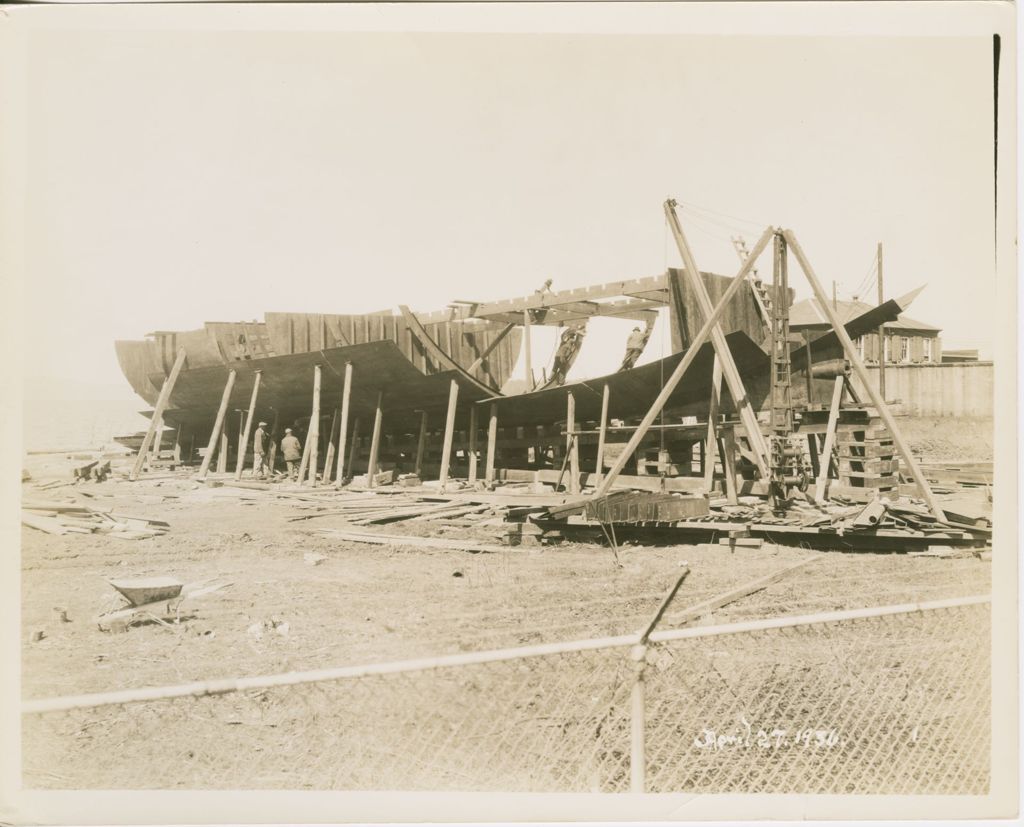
(367, 603)
(941, 439)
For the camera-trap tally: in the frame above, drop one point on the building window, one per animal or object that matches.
(886, 349)
(904, 349)
(860, 347)
(927, 351)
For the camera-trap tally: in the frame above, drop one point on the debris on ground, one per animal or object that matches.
(55, 517)
(399, 540)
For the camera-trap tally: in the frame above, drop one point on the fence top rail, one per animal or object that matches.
(227, 685)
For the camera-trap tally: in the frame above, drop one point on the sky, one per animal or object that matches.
(177, 177)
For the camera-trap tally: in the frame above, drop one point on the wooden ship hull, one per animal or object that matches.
(404, 367)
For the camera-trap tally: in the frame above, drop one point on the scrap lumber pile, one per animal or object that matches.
(880, 525)
(373, 509)
(55, 517)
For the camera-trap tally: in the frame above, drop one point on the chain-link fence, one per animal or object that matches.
(891, 700)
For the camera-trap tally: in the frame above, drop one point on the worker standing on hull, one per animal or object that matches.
(634, 347)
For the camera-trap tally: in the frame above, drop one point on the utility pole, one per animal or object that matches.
(835, 301)
(881, 330)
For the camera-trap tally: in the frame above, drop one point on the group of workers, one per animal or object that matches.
(291, 448)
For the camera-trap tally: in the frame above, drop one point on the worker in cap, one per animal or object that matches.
(260, 441)
(634, 347)
(292, 451)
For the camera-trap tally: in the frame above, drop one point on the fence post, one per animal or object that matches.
(638, 693)
(638, 722)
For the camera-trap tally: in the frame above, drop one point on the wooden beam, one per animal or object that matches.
(492, 441)
(244, 441)
(602, 434)
(240, 446)
(572, 443)
(354, 448)
(378, 415)
(158, 414)
(684, 364)
(555, 299)
(449, 433)
(346, 398)
(304, 462)
(158, 438)
(313, 437)
(421, 445)
(272, 458)
(881, 329)
(332, 448)
(222, 454)
(177, 446)
(490, 348)
(825, 458)
(862, 373)
(729, 369)
(729, 463)
(711, 445)
(472, 444)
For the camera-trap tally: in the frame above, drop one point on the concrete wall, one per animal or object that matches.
(955, 390)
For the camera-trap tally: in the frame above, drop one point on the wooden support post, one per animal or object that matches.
(158, 439)
(313, 437)
(378, 416)
(222, 453)
(472, 444)
(881, 330)
(158, 413)
(684, 364)
(244, 441)
(346, 400)
(526, 350)
(572, 443)
(240, 446)
(862, 374)
(812, 452)
(711, 447)
(332, 448)
(492, 442)
(449, 432)
(177, 446)
(758, 445)
(304, 462)
(602, 434)
(272, 458)
(354, 449)
(421, 445)
(825, 458)
(729, 463)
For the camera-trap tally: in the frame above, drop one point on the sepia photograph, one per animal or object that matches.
(576, 401)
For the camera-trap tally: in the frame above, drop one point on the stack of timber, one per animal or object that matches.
(379, 509)
(868, 463)
(55, 517)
